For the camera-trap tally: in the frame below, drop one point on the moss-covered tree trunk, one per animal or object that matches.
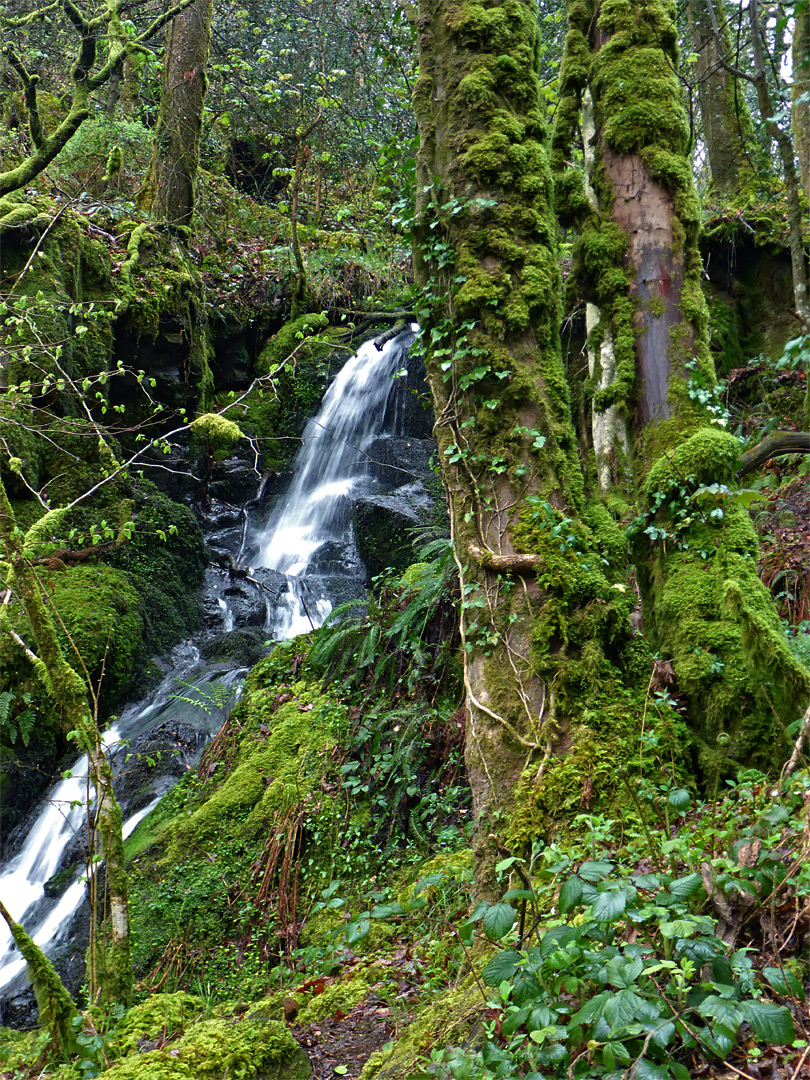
(538, 613)
(70, 693)
(169, 188)
(727, 128)
(705, 609)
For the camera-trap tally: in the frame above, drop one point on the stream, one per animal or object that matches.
(301, 560)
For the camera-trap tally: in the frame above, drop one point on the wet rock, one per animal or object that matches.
(395, 462)
(243, 647)
(235, 480)
(152, 762)
(382, 524)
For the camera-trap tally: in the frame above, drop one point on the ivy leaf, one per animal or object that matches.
(570, 894)
(784, 982)
(503, 965)
(771, 1023)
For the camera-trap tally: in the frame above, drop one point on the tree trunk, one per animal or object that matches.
(801, 93)
(168, 191)
(727, 127)
(705, 609)
(70, 693)
(485, 254)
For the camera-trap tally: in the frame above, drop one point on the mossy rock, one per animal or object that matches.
(160, 1016)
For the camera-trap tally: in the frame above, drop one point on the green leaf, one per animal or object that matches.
(608, 906)
(686, 886)
(721, 1009)
(680, 1072)
(384, 911)
(784, 982)
(513, 1021)
(771, 1023)
(570, 894)
(595, 870)
(503, 965)
(680, 798)
(648, 1070)
(498, 920)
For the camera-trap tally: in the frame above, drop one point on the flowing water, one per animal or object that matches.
(308, 539)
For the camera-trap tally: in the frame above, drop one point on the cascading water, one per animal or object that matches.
(63, 817)
(309, 540)
(331, 469)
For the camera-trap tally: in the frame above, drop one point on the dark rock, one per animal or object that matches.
(395, 462)
(235, 480)
(382, 524)
(409, 412)
(243, 647)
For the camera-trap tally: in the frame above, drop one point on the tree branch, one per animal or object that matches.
(780, 442)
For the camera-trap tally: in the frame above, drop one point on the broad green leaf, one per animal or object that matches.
(680, 1072)
(608, 906)
(784, 981)
(357, 930)
(513, 1021)
(595, 870)
(721, 1009)
(503, 965)
(647, 881)
(498, 920)
(680, 798)
(570, 893)
(648, 1070)
(771, 1023)
(622, 1009)
(518, 894)
(384, 911)
(557, 938)
(686, 886)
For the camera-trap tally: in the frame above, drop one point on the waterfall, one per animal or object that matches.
(331, 469)
(308, 539)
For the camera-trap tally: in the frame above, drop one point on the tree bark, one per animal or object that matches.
(705, 609)
(727, 127)
(168, 191)
(801, 93)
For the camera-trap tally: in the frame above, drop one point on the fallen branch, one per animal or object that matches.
(780, 442)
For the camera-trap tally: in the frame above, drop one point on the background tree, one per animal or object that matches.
(168, 192)
(88, 72)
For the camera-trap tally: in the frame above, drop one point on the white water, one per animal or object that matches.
(64, 815)
(329, 471)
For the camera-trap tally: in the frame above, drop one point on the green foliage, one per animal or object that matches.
(406, 638)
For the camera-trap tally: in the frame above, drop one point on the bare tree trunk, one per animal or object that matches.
(727, 125)
(169, 188)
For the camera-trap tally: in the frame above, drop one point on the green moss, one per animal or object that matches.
(220, 1049)
(160, 1016)
(449, 1021)
(341, 996)
(219, 432)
